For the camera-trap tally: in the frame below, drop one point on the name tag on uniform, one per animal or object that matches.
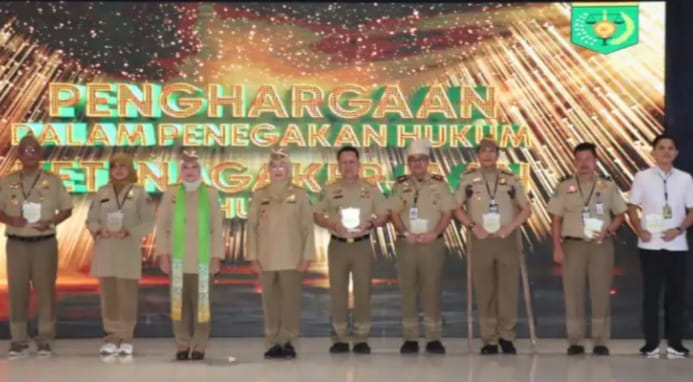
(114, 221)
(413, 213)
(599, 207)
(592, 227)
(31, 212)
(491, 222)
(418, 225)
(654, 223)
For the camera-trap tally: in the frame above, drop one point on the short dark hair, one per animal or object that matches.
(345, 149)
(662, 137)
(586, 146)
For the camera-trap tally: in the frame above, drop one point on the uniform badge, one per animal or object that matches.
(503, 181)
(365, 193)
(291, 198)
(572, 189)
(476, 180)
(45, 185)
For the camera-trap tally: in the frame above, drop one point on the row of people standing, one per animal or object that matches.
(489, 202)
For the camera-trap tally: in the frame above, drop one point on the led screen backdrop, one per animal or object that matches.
(232, 81)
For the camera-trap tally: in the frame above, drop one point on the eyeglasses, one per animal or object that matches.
(30, 149)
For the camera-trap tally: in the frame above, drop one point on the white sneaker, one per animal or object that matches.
(18, 351)
(673, 353)
(44, 350)
(125, 350)
(108, 348)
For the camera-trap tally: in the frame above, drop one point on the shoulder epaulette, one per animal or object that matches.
(470, 170)
(402, 178)
(605, 177)
(437, 177)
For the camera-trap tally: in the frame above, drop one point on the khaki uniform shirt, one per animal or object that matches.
(474, 196)
(114, 257)
(280, 229)
(165, 222)
(48, 190)
(431, 197)
(568, 202)
(362, 195)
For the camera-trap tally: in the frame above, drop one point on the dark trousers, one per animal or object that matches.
(663, 270)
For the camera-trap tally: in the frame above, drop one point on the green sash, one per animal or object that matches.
(203, 252)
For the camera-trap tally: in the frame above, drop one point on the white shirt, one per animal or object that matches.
(648, 192)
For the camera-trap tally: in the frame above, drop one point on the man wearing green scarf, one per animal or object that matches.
(190, 244)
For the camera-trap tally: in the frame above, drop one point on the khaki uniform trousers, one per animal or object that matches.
(188, 332)
(32, 264)
(355, 259)
(588, 263)
(281, 302)
(118, 308)
(419, 268)
(495, 277)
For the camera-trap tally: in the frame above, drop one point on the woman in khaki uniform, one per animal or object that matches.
(121, 213)
(190, 247)
(281, 246)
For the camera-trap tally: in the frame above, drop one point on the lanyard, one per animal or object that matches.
(119, 202)
(21, 180)
(495, 186)
(664, 180)
(577, 178)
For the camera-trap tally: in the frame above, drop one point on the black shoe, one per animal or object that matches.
(576, 350)
(18, 350)
(489, 349)
(275, 351)
(197, 355)
(44, 350)
(183, 355)
(507, 346)
(339, 348)
(650, 350)
(289, 351)
(600, 350)
(435, 347)
(362, 348)
(677, 350)
(409, 347)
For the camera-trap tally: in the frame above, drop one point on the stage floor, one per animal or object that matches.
(78, 360)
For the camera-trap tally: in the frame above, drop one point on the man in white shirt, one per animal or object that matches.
(664, 197)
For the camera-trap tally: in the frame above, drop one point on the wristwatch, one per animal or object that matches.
(680, 229)
(471, 225)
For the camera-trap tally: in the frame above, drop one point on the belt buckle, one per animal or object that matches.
(350, 240)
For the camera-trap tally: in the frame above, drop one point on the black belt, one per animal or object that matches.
(30, 239)
(573, 238)
(404, 237)
(351, 240)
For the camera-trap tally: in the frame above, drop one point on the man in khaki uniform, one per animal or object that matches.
(281, 247)
(350, 208)
(120, 214)
(32, 203)
(586, 210)
(191, 327)
(421, 206)
(493, 206)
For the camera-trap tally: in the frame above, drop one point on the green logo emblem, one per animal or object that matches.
(605, 27)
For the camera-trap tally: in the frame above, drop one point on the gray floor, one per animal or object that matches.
(78, 360)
